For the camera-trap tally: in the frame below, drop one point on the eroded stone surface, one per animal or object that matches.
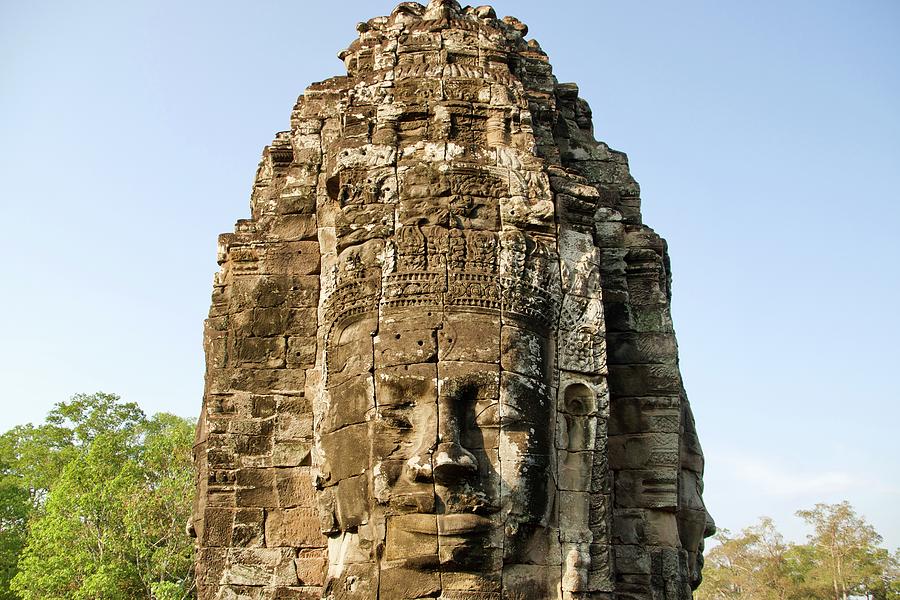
(440, 361)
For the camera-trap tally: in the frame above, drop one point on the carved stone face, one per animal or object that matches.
(454, 452)
(694, 521)
(445, 290)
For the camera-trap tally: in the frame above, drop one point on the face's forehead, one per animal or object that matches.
(435, 334)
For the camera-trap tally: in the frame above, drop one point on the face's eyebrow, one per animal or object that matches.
(403, 405)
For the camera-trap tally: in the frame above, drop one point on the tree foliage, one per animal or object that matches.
(842, 558)
(15, 506)
(845, 549)
(99, 496)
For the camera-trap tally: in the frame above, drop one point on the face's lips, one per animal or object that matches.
(446, 524)
(462, 523)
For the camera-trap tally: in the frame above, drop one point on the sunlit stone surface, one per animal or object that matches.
(440, 361)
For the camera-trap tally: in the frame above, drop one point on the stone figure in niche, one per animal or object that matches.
(440, 361)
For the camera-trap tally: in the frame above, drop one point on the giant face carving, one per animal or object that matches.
(438, 416)
(694, 521)
(447, 290)
(457, 461)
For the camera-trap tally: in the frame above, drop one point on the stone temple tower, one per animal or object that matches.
(440, 359)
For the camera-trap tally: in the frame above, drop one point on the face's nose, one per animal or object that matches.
(709, 529)
(453, 463)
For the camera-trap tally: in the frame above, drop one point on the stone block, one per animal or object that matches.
(346, 452)
(648, 414)
(297, 593)
(472, 585)
(359, 223)
(632, 560)
(644, 380)
(405, 384)
(352, 357)
(408, 583)
(248, 529)
(351, 499)
(629, 526)
(301, 352)
(293, 528)
(411, 536)
(293, 223)
(217, 527)
(263, 406)
(651, 318)
(575, 471)
(574, 516)
(301, 201)
(529, 581)
(311, 567)
(266, 352)
(646, 489)
(405, 347)
(261, 567)
(661, 528)
(291, 453)
(641, 348)
(644, 451)
(464, 338)
(256, 488)
(293, 426)
(618, 315)
(292, 258)
(349, 402)
(295, 488)
(251, 427)
(523, 351)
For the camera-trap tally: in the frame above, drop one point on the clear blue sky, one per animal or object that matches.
(765, 136)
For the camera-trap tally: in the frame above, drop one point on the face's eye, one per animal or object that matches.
(397, 422)
(511, 416)
(489, 417)
(497, 415)
(397, 416)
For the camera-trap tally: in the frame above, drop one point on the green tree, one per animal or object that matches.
(86, 416)
(158, 508)
(846, 550)
(37, 455)
(75, 548)
(107, 492)
(726, 570)
(841, 559)
(15, 506)
(756, 565)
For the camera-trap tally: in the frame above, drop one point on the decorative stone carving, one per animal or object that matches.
(440, 361)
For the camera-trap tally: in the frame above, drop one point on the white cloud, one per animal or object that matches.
(742, 485)
(773, 478)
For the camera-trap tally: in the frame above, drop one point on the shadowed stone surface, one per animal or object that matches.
(440, 359)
